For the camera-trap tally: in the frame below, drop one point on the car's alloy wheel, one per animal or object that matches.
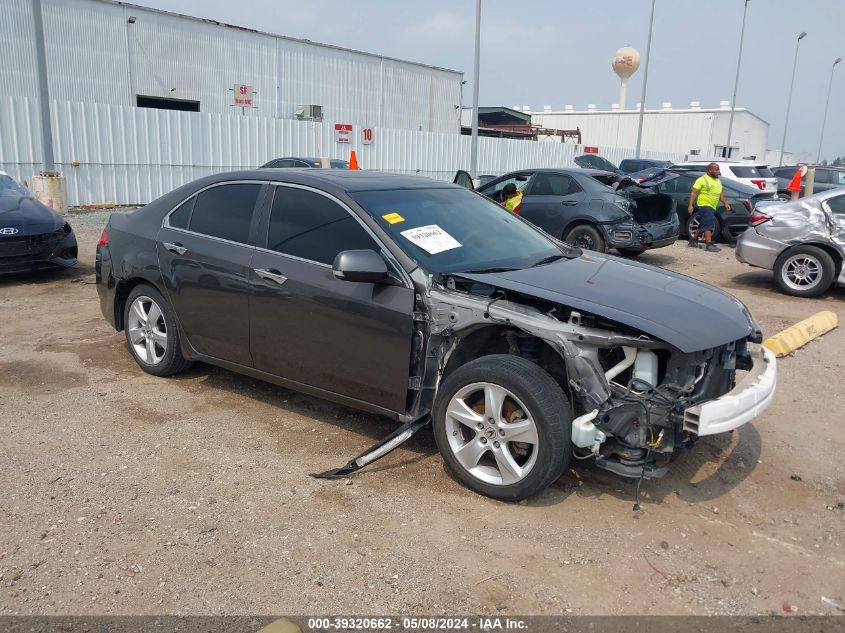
(147, 330)
(494, 439)
(694, 223)
(152, 333)
(503, 426)
(804, 271)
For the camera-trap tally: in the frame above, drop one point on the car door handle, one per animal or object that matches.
(271, 275)
(175, 248)
(569, 203)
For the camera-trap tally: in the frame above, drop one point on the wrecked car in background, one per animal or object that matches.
(802, 242)
(592, 209)
(405, 296)
(32, 235)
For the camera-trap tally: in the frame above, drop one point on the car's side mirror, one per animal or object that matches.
(365, 266)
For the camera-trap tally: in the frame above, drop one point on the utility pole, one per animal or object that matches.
(43, 88)
(473, 169)
(801, 36)
(736, 81)
(826, 103)
(645, 82)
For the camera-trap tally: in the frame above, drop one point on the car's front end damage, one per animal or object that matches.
(637, 398)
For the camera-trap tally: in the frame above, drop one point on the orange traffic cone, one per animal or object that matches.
(353, 161)
(795, 183)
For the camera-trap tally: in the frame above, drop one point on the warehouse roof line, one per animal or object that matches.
(276, 35)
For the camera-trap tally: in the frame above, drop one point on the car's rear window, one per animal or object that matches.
(751, 171)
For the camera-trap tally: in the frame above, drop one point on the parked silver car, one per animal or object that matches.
(803, 242)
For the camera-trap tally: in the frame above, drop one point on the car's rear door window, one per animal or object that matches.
(225, 211)
(311, 226)
(181, 216)
(546, 184)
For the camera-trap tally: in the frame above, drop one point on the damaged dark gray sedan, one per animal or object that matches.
(404, 296)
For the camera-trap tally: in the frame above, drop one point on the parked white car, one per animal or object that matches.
(748, 173)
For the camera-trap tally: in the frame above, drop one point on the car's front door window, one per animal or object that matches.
(311, 226)
(494, 190)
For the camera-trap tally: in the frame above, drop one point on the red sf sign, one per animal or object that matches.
(591, 150)
(342, 132)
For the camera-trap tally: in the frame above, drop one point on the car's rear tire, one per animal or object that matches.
(694, 221)
(630, 252)
(503, 426)
(151, 332)
(804, 271)
(585, 236)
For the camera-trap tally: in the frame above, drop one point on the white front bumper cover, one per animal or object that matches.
(751, 396)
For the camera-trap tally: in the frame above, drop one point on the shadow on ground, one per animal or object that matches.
(41, 277)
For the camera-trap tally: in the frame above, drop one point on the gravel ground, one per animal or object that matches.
(122, 493)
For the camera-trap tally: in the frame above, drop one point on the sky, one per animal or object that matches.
(556, 52)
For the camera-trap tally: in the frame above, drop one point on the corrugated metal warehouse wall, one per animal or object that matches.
(95, 55)
(133, 155)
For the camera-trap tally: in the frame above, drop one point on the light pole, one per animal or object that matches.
(826, 103)
(473, 161)
(645, 82)
(736, 81)
(801, 36)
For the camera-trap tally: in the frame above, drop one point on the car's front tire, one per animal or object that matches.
(503, 426)
(804, 271)
(694, 221)
(151, 332)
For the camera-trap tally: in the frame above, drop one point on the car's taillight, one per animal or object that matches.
(758, 218)
(761, 184)
(747, 205)
(104, 238)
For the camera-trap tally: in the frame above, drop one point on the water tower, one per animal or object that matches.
(625, 63)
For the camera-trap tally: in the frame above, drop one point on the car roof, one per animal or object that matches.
(342, 179)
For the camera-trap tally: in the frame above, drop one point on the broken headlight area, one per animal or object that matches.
(629, 391)
(640, 427)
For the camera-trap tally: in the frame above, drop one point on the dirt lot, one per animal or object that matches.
(121, 493)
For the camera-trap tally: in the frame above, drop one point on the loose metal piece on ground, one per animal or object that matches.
(378, 450)
(798, 335)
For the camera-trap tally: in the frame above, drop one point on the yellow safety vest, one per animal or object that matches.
(512, 203)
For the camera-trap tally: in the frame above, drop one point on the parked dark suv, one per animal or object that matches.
(414, 298)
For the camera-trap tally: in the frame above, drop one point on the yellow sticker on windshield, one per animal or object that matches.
(393, 218)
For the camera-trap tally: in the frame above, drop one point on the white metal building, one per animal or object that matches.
(105, 52)
(696, 132)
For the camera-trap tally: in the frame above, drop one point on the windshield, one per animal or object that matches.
(10, 187)
(456, 230)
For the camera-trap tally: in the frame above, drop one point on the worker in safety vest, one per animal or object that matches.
(704, 199)
(511, 198)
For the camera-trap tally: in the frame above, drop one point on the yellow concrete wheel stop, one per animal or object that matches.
(798, 335)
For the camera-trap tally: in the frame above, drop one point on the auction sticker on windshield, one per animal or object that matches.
(432, 239)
